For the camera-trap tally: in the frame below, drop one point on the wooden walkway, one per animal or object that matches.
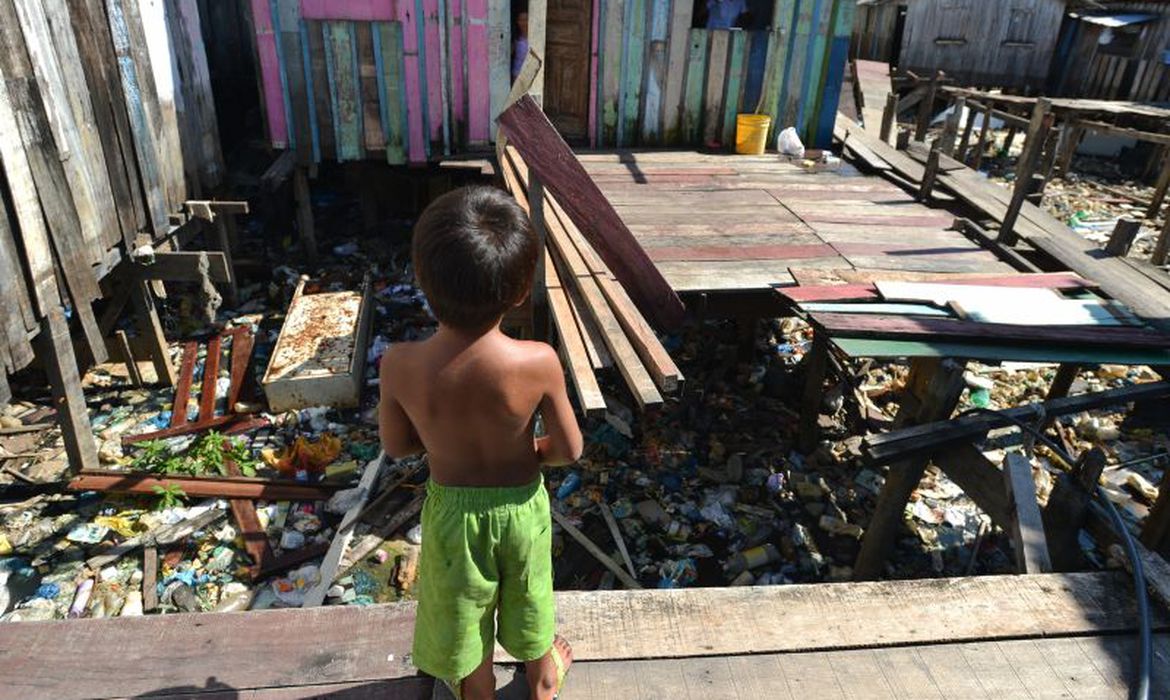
(1036, 636)
(723, 223)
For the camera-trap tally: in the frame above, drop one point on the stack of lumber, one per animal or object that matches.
(597, 324)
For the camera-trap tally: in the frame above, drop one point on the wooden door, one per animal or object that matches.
(566, 83)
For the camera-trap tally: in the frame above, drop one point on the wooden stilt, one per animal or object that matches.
(936, 403)
(810, 401)
(931, 171)
(984, 135)
(150, 328)
(68, 398)
(1121, 240)
(889, 116)
(1009, 140)
(1162, 247)
(1027, 529)
(1072, 141)
(540, 314)
(128, 358)
(926, 108)
(951, 128)
(1067, 510)
(1156, 530)
(1161, 188)
(965, 141)
(1038, 128)
(232, 292)
(304, 212)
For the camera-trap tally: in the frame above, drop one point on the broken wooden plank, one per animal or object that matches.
(328, 568)
(202, 486)
(546, 153)
(629, 581)
(184, 266)
(210, 377)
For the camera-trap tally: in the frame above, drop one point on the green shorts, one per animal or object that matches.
(486, 553)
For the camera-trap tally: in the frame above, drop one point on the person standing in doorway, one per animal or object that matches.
(520, 44)
(724, 14)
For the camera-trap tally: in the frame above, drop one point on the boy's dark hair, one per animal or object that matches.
(474, 255)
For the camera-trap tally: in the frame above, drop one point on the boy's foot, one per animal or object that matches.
(547, 682)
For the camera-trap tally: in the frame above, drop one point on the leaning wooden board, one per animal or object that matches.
(547, 154)
(132, 656)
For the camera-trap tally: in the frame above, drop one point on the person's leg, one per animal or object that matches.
(545, 674)
(481, 684)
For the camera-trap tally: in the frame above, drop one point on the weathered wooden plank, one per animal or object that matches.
(373, 137)
(549, 157)
(656, 66)
(156, 76)
(358, 10)
(610, 63)
(772, 100)
(287, 22)
(457, 98)
(632, 66)
(479, 73)
(15, 306)
(428, 14)
(1027, 528)
(826, 107)
(62, 86)
(797, 88)
(815, 77)
(389, 57)
(142, 125)
(499, 36)
(345, 90)
(317, 84)
(676, 70)
(716, 75)
(733, 89)
(692, 118)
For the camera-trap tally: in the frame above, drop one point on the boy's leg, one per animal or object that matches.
(481, 684)
(545, 674)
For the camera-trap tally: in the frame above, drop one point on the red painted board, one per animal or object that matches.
(845, 292)
(893, 327)
(546, 153)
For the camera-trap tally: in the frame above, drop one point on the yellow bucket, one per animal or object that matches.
(751, 133)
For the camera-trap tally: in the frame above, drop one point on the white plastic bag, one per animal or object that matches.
(788, 143)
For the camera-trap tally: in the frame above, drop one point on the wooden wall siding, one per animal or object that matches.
(103, 133)
(873, 32)
(660, 82)
(414, 84)
(1142, 77)
(998, 43)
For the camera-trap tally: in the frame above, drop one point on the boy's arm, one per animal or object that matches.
(399, 438)
(562, 442)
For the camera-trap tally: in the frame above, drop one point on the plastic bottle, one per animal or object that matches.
(81, 600)
(751, 559)
(571, 483)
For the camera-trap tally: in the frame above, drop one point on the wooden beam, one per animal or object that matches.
(1073, 136)
(201, 487)
(984, 137)
(1114, 130)
(329, 565)
(944, 386)
(930, 172)
(184, 266)
(208, 209)
(926, 108)
(1160, 188)
(965, 141)
(1038, 128)
(150, 328)
(123, 344)
(1027, 528)
(1162, 246)
(816, 367)
(304, 214)
(1121, 240)
(979, 478)
(951, 126)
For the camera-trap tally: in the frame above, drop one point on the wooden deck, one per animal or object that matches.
(1000, 636)
(723, 223)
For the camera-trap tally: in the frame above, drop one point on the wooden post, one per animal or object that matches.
(149, 578)
(68, 398)
(1037, 134)
(1162, 247)
(937, 402)
(1072, 141)
(951, 128)
(810, 400)
(1156, 530)
(930, 172)
(889, 116)
(1067, 510)
(128, 358)
(1161, 188)
(926, 108)
(540, 315)
(304, 212)
(222, 234)
(984, 135)
(1009, 140)
(150, 328)
(1122, 237)
(1027, 529)
(965, 141)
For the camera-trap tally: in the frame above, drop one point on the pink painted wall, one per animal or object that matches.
(434, 72)
(478, 77)
(360, 10)
(416, 139)
(456, 61)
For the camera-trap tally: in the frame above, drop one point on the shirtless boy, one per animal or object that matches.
(468, 396)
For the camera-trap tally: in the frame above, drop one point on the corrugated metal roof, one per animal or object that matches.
(1117, 20)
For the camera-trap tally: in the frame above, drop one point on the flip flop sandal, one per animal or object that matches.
(562, 670)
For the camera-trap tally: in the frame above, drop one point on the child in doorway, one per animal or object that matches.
(520, 45)
(468, 395)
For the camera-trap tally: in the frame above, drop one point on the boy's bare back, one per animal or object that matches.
(470, 402)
